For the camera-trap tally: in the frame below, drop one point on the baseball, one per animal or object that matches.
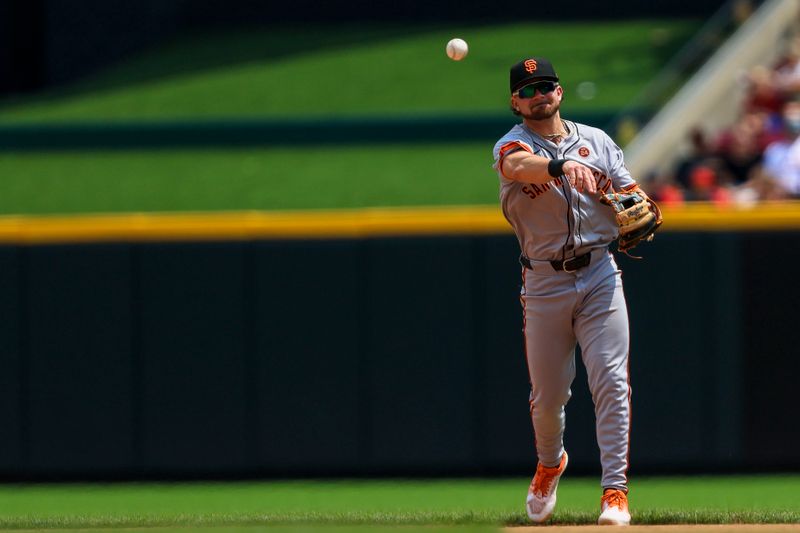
(457, 49)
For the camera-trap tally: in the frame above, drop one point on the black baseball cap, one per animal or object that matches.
(531, 69)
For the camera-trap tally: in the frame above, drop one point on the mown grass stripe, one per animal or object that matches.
(373, 505)
(349, 223)
(568, 517)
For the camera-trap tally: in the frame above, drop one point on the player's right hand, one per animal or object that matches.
(580, 176)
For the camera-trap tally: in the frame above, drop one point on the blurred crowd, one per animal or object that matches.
(758, 156)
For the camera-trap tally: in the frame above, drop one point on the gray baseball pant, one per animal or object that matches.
(586, 307)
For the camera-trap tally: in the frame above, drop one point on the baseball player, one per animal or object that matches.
(552, 172)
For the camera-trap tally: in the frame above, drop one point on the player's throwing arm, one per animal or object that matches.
(529, 168)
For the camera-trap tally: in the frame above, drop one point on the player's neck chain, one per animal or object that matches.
(556, 137)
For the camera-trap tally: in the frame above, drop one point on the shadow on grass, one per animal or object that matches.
(196, 51)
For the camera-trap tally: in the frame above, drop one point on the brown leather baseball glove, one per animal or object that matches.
(637, 215)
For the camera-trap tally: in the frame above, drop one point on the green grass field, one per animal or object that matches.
(491, 503)
(317, 72)
(267, 179)
(359, 70)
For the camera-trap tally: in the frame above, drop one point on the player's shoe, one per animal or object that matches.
(614, 508)
(542, 493)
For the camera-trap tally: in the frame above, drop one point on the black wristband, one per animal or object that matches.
(556, 167)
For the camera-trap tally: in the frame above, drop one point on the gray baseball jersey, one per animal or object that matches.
(566, 307)
(554, 221)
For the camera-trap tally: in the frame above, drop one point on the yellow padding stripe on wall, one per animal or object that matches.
(351, 223)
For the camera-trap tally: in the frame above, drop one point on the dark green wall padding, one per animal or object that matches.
(398, 356)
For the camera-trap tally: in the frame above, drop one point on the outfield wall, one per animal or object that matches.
(376, 354)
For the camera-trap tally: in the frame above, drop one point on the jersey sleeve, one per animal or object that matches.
(506, 146)
(617, 171)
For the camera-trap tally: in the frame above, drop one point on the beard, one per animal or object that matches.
(541, 112)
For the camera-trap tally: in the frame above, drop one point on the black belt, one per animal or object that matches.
(568, 265)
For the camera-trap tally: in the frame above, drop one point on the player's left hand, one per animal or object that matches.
(637, 215)
(580, 176)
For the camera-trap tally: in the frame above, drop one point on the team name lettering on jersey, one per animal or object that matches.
(602, 181)
(534, 191)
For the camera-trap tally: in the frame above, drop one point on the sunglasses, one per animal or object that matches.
(544, 87)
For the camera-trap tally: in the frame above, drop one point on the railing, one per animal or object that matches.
(350, 223)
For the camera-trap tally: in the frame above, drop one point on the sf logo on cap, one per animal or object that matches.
(530, 66)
